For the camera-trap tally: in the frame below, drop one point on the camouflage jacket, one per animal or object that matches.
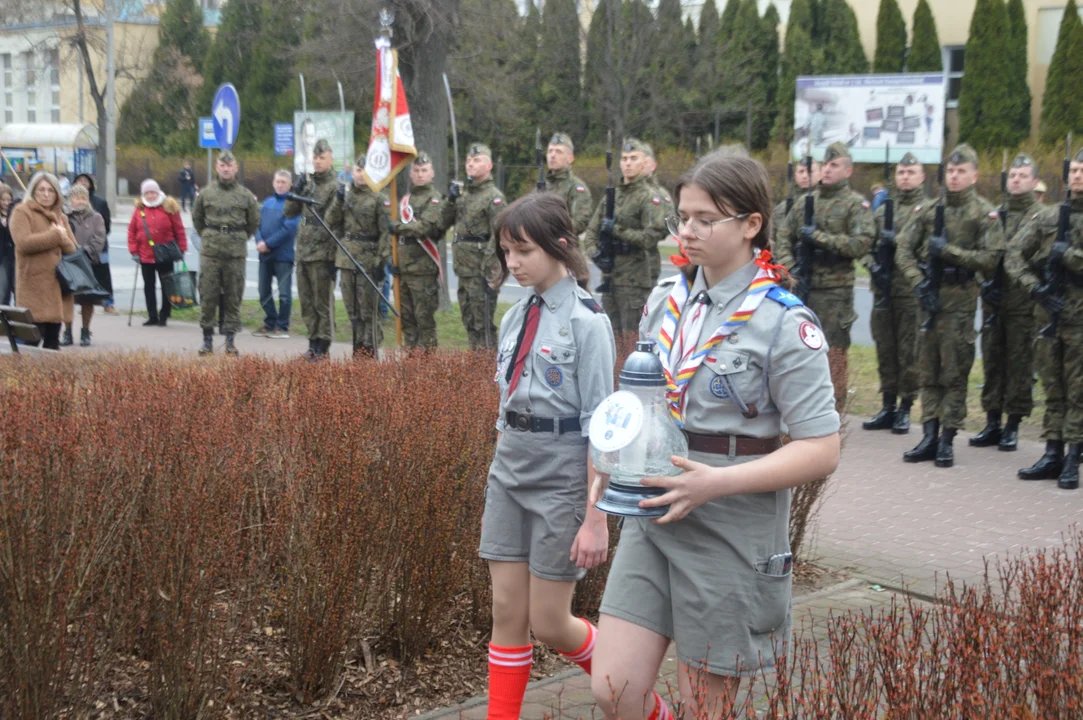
(844, 230)
(428, 222)
(1021, 210)
(640, 215)
(473, 214)
(667, 202)
(313, 242)
(908, 205)
(225, 215)
(575, 193)
(1028, 256)
(975, 244)
(778, 217)
(359, 217)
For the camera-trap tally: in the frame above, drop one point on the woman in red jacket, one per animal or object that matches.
(159, 216)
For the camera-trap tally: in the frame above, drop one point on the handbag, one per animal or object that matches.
(183, 293)
(165, 253)
(75, 273)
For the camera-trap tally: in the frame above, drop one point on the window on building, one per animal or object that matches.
(954, 57)
(54, 86)
(30, 65)
(9, 88)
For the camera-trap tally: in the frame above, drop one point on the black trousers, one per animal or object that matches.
(165, 272)
(50, 335)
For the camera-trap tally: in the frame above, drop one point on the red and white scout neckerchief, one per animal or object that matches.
(681, 357)
(406, 214)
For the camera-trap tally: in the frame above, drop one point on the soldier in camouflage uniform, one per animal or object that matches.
(225, 215)
(360, 217)
(974, 244)
(801, 185)
(1059, 359)
(639, 223)
(473, 211)
(419, 271)
(667, 201)
(561, 180)
(1007, 347)
(895, 319)
(842, 231)
(315, 249)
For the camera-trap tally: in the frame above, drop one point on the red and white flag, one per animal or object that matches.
(391, 142)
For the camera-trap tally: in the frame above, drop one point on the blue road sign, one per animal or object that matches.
(206, 133)
(226, 114)
(283, 139)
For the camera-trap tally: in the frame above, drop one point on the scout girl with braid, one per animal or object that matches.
(554, 366)
(746, 362)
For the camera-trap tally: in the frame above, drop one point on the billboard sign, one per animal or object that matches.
(335, 127)
(870, 112)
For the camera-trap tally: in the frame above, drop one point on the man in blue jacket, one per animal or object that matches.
(274, 241)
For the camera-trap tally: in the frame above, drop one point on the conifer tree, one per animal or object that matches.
(925, 51)
(987, 114)
(840, 42)
(229, 59)
(1017, 27)
(667, 76)
(770, 52)
(729, 18)
(269, 90)
(798, 58)
(890, 38)
(1062, 103)
(558, 67)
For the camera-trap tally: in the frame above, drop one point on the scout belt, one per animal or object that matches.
(471, 238)
(720, 444)
(529, 423)
(362, 238)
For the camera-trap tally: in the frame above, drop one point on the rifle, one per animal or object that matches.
(789, 181)
(805, 246)
(603, 256)
(934, 268)
(992, 290)
(539, 159)
(1053, 276)
(885, 247)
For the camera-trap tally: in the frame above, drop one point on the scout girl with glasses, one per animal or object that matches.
(746, 362)
(554, 366)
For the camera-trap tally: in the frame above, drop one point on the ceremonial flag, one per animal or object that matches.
(391, 142)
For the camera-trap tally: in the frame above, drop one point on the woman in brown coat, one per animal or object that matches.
(41, 235)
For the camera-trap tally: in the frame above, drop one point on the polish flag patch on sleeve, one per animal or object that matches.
(387, 203)
(865, 204)
(580, 188)
(994, 215)
(656, 200)
(497, 201)
(435, 201)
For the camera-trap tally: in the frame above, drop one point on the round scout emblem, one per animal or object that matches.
(718, 387)
(554, 377)
(811, 335)
(616, 422)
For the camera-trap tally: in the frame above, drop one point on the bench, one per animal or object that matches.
(18, 324)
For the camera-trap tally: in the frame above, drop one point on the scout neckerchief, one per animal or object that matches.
(406, 214)
(682, 357)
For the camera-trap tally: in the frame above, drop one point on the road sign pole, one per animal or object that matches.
(209, 177)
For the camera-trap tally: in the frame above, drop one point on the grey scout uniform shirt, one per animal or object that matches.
(225, 215)
(569, 370)
(767, 362)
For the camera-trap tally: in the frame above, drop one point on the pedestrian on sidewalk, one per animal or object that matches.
(42, 235)
(156, 219)
(714, 574)
(275, 240)
(187, 179)
(7, 246)
(101, 271)
(555, 365)
(88, 226)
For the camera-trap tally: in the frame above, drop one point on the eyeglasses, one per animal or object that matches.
(700, 228)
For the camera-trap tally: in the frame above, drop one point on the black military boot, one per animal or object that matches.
(207, 348)
(1069, 474)
(66, 338)
(310, 354)
(901, 426)
(322, 348)
(990, 434)
(945, 453)
(1009, 438)
(231, 348)
(1048, 466)
(926, 449)
(884, 419)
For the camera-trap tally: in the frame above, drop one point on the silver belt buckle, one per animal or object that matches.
(522, 422)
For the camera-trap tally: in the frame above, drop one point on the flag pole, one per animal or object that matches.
(387, 17)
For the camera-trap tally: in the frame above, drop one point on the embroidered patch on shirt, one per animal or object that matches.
(554, 377)
(387, 203)
(995, 215)
(656, 200)
(811, 335)
(435, 201)
(497, 201)
(718, 387)
(580, 188)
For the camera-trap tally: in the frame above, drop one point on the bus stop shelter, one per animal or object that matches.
(29, 147)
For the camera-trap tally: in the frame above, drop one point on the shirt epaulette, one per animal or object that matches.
(591, 304)
(784, 297)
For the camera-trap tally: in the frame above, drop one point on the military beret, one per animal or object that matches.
(836, 150)
(1078, 157)
(633, 145)
(322, 146)
(562, 139)
(226, 156)
(963, 154)
(422, 158)
(909, 159)
(476, 149)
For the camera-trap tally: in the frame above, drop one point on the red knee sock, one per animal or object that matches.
(582, 656)
(661, 710)
(509, 673)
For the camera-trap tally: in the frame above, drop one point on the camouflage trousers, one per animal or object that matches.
(895, 332)
(1007, 351)
(947, 354)
(420, 300)
(315, 281)
(221, 282)
(362, 307)
(624, 306)
(835, 309)
(1060, 366)
(477, 303)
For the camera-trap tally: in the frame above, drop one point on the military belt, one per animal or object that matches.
(826, 257)
(471, 238)
(528, 423)
(622, 248)
(227, 228)
(956, 275)
(362, 238)
(742, 445)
